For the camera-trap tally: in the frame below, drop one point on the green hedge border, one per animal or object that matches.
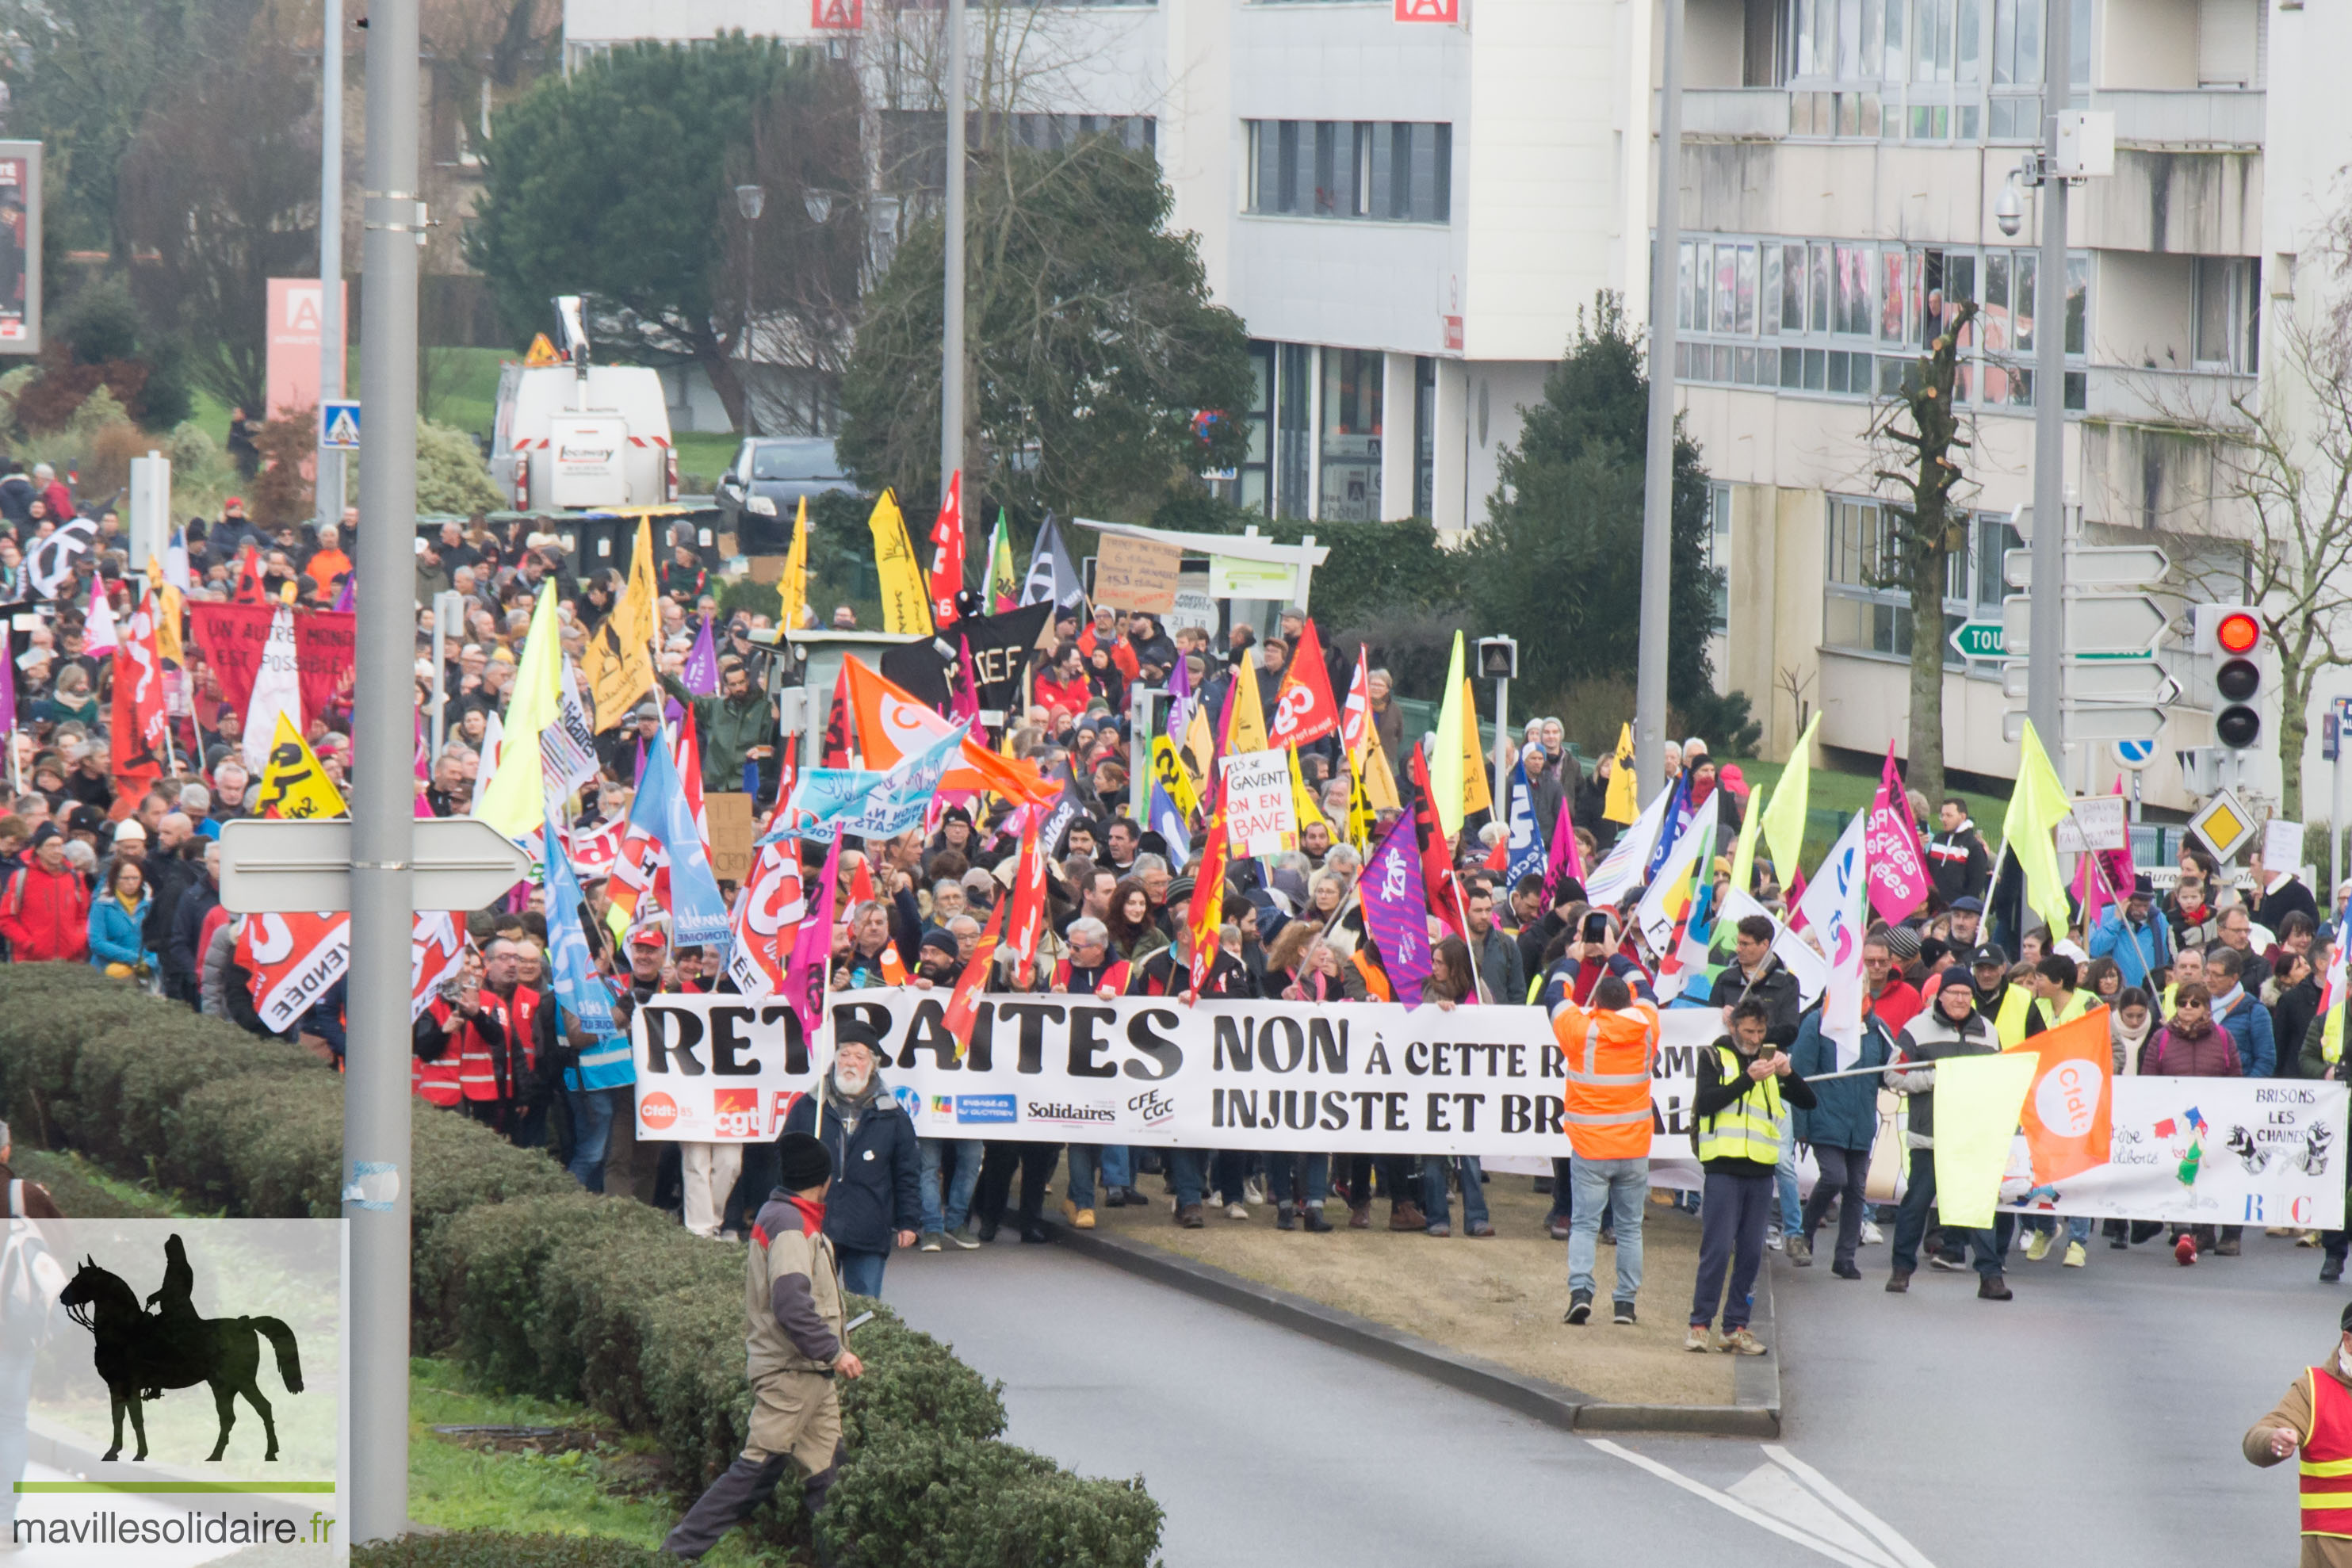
(535, 1286)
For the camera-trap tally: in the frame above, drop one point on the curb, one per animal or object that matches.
(1755, 1386)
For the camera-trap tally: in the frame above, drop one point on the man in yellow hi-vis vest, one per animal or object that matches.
(2316, 1416)
(2046, 1000)
(1736, 1124)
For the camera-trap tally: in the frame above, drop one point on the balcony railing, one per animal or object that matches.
(2201, 117)
(1750, 113)
(2197, 398)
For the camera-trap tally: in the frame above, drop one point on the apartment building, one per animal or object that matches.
(1409, 217)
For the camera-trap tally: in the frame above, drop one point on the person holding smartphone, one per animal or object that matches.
(1737, 1124)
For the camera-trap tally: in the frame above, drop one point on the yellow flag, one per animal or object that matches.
(1475, 794)
(2027, 830)
(1198, 750)
(1743, 854)
(1445, 779)
(513, 803)
(794, 584)
(1784, 817)
(1245, 724)
(1302, 799)
(618, 665)
(292, 782)
(1379, 779)
(167, 614)
(906, 601)
(1623, 803)
(1977, 1103)
(1169, 768)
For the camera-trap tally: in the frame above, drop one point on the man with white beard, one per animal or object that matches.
(877, 1199)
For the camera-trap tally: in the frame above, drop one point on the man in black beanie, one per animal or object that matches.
(792, 1289)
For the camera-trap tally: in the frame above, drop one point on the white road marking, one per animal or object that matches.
(1735, 1505)
(1776, 1492)
(1904, 1554)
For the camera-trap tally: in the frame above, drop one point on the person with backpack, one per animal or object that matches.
(45, 910)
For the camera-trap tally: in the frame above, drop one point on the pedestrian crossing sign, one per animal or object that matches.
(339, 424)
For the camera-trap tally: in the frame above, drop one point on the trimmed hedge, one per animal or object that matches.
(536, 1286)
(496, 1549)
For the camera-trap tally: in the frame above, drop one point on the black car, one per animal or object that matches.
(762, 488)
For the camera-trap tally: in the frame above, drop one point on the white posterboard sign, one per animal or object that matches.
(2099, 821)
(2282, 844)
(1260, 818)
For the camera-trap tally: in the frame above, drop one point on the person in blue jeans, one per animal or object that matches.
(950, 1221)
(1434, 1202)
(1299, 1184)
(1088, 1162)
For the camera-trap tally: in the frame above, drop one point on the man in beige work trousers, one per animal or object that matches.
(792, 1296)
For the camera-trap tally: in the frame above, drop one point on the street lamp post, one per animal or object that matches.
(751, 201)
(951, 322)
(1658, 476)
(329, 495)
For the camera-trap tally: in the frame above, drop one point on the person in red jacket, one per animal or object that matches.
(45, 909)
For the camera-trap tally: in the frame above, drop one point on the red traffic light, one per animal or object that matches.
(2238, 632)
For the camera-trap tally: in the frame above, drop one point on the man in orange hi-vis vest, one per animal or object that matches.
(2316, 1416)
(1609, 1048)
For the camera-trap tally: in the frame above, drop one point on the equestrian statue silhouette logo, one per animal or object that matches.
(138, 1354)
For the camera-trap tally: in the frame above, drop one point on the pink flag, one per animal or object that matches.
(805, 976)
(1567, 854)
(2103, 876)
(963, 698)
(1897, 861)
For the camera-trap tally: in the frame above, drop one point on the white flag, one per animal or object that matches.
(277, 689)
(1834, 907)
(49, 560)
(99, 634)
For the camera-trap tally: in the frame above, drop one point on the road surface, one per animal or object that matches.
(2092, 1421)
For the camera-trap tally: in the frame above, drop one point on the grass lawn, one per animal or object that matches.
(703, 456)
(586, 1479)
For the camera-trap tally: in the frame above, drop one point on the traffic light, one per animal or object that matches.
(2232, 637)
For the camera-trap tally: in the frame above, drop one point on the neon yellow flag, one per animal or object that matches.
(512, 803)
(1623, 803)
(1475, 796)
(1245, 724)
(792, 586)
(1784, 817)
(1445, 782)
(1743, 853)
(906, 601)
(2028, 831)
(1977, 1103)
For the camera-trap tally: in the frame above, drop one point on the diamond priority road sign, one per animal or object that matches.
(2095, 624)
(2225, 825)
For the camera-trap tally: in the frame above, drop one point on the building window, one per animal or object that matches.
(1052, 133)
(1252, 484)
(1294, 401)
(1718, 548)
(1353, 391)
(1424, 436)
(2229, 314)
(1380, 170)
(1867, 609)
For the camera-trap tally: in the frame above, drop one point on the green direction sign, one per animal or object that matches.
(1978, 639)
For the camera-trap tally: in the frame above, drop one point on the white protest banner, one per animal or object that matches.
(2098, 822)
(1377, 1078)
(1260, 817)
(2282, 846)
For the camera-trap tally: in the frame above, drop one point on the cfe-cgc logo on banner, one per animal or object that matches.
(1074, 1113)
(986, 1108)
(1156, 1108)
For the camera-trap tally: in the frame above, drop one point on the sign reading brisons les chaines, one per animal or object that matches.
(1385, 1079)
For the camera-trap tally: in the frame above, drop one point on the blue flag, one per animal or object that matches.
(1530, 854)
(1677, 823)
(577, 986)
(1162, 816)
(698, 914)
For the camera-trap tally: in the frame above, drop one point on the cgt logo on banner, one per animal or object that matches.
(294, 961)
(1384, 1078)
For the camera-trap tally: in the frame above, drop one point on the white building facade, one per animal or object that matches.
(1409, 217)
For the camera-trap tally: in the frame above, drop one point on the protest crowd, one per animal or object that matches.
(595, 716)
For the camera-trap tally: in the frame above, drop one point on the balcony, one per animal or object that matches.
(1734, 113)
(2198, 399)
(2201, 117)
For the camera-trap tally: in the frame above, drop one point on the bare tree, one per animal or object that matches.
(1926, 529)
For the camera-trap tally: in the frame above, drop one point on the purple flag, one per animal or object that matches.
(701, 675)
(1396, 912)
(806, 971)
(347, 598)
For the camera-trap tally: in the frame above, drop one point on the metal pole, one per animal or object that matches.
(2336, 806)
(1658, 481)
(1502, 746)
(375, 1082)
(2044, 702)
(329, 494)
(750, 240)
(951, 317)
(440, 676)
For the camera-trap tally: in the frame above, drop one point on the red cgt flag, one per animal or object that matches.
(1304, 710)
(946, 554)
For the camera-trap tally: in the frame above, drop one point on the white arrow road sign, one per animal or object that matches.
(2099, 721)
(2095, 566)
(2100, 681)
(277, 868)
(2100, 623)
